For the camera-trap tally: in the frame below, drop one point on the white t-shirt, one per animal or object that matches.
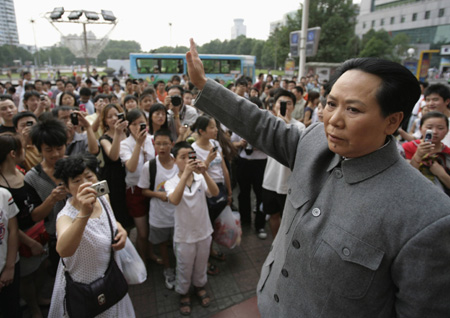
(192, 223)
(276, 175)
(215, 170)
(8, 210)
(161, 213)
(126, 150)
(446, 140)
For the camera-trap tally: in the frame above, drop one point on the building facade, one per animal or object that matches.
(8, 25)
(238, 29)
(426, 22)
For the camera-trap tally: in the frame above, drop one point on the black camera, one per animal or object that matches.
(74, 119)
(30, 123)
(43, 97)
(121, 116)
(176, 100)
(143, 126)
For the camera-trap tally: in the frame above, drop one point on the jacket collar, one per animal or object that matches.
(359, 169)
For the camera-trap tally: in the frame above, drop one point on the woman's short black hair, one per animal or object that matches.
(399, 90)
(134, 114)
(8, 142)
(202, 123)
(282, 92)
(51, 132)
(75, 103)
(157, 107)
(73, 166)
(433, 114)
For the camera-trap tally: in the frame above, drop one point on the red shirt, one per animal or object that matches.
(410, 148)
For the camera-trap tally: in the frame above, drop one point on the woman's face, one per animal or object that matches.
(135, 126)
(353, 122)
(131, 104)
(159, 117)
(146, 103)
(438, 126)
(320, 112)
(51, 154)
(211, 130)
(68, 100)
(111, 117)
(74, 183)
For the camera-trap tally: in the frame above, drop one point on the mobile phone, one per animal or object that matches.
(215, 148)
(192, 155)
(30, 123)
(74, 119)
(121, 116)
(283, 108)
(428, 135)
(42, 97)
(82, 107)
(143, 126)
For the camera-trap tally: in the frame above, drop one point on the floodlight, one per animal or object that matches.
(57, 13)
(90, 15)
(75, 15)
(108, 15)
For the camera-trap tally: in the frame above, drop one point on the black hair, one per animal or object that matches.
(299, 89)
(51, 132)
(11, 90)
(255, 100)
(29, 87)
(104, 84)
(73, 166)
(25, 73)
(129, 80)
(149, 90)
(69, 82)
(55, 111)
(180, 145)
(59, 80)
(157, 107)
(21, 115)
(134, 114)
(438, 89)
(4, 97)
(399, 90)
(38, 80)
(163, 132)
(161, 81)
(68, 93)
(28, 95)
(202, 123)
(128, 98)
(176, 87)
(312, 96)
(145, 94)
(282, 92)
(176, 78)
(85, 91)
(8, 142)
(241, 81)
(433, 114)
(98, 96)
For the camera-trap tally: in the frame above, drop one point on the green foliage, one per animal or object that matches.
(9, 53)
(169, 49)
(381, 44)
(118, 50)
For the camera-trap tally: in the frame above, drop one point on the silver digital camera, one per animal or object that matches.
(101, 188)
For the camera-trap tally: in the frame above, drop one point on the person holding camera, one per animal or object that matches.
(84, 233)
(136, 150)
(429, 155)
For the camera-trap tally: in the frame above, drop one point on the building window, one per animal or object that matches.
(392, 20)
(441, 13)
(414, 17)
(382, 22)
(373, 23)
(427, 15)
(402, 19)
(364, 25)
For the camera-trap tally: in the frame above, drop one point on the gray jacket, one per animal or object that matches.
(365, 237)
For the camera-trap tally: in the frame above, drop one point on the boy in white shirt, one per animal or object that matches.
(161, 218)
(193, 229)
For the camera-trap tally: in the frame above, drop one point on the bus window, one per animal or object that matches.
(211, 66)
(245, 71)
(172, 66)
(145, 66)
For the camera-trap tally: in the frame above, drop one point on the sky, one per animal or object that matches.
(147, 22)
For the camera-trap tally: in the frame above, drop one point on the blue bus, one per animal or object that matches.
(158, 66)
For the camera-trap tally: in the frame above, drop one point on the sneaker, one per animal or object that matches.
(262, 234)
(169, 275)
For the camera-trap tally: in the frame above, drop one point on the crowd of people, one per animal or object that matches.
(170, 169)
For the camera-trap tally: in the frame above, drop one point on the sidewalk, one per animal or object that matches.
(232, 291)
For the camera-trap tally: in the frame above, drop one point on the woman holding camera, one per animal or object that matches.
(84, 233)
(134, 152)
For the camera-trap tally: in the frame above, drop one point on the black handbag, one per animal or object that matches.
(90, 300)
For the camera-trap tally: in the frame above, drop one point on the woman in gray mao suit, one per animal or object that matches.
(363, 234)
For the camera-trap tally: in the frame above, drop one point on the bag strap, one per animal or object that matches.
(110, 227)
(152, 170)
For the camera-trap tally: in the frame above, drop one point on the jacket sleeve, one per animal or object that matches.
(260, 128)
(421, 272)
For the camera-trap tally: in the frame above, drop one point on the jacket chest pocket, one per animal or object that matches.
(265, 271)
(345, 264)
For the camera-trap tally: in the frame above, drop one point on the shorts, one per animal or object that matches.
(137, 204)
(273, 202)
(159, 235)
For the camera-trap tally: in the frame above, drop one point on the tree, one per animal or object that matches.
(118, 50)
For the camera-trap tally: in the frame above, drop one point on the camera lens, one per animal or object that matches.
(176, 100)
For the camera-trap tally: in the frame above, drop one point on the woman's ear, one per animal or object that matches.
(13, 153)
(393, 121)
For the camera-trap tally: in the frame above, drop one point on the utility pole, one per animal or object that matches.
(302, 50)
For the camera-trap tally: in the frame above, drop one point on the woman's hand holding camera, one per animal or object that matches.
(120, 126)
(87, 197)
(423, 149)
(211, 156)
(141, 137)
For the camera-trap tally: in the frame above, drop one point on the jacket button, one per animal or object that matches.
(296, 244)
(338, 173)
(284, 273)
(276, 298)
(346, 251)
(289, 191)
(316, 212)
